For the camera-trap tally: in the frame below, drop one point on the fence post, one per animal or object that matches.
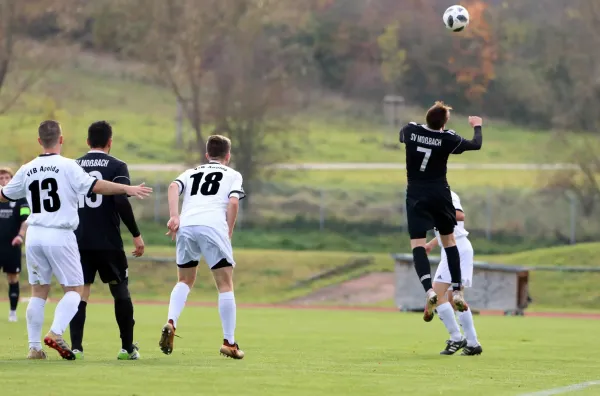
(157, 203)
(573, 205)
(489, 224)
(322, 211)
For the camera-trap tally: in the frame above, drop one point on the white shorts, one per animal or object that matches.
(195, 242)
(465, 250)
(53, 251)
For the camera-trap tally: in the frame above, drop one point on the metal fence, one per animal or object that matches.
(491, 213)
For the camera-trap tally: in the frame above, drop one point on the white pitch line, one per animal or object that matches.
(564, 389)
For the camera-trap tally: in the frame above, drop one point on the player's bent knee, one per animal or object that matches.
(223, 274)
(448, 239)
(186, 273)
(120, 291)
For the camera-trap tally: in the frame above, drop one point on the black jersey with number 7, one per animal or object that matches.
(427, 151)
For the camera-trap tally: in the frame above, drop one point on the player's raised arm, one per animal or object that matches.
(15, 189)
(473, 144)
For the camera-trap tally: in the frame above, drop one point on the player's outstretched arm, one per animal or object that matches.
(104, 187)
(233, 208)
(475, 143)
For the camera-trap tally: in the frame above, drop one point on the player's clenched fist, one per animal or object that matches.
(140, 191)
(475, 121)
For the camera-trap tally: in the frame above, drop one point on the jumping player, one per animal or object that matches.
(441, 286)
(100, 243)
(428, 199)
(13, 225)
(211, 195)
(52, 185)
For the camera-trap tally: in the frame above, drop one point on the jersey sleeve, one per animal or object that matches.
(122, 175)
(462, 144)
(81, 182)
(456, 202)
(181, 181)
(404, 130)
(237, 190)
(15, 189)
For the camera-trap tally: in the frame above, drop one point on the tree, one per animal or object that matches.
(583, 181)
(254, 68)
(14, 16)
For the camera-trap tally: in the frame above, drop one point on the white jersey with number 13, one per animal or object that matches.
(52, 185)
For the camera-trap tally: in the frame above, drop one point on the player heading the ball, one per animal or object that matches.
(428, 199)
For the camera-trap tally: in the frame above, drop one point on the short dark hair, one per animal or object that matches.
(6, 171)
(99, 133)
(49, 132)
(438, 115)
(218, 146)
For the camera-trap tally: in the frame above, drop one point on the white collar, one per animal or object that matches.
(96, 152)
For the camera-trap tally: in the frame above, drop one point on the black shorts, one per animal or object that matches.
(429, 207)
(10, 261)
(110, 264)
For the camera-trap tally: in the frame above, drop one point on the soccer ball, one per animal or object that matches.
(456, 18)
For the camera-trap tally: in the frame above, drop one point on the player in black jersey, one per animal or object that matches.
(12, 234)
(100, 243)
(428, 199)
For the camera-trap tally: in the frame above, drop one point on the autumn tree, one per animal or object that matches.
(475, 53)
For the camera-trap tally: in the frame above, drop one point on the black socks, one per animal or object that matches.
(76, 327)
(13, 295)
(422, 267)
(454, 266)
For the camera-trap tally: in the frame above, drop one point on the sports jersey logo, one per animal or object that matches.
(13, 204)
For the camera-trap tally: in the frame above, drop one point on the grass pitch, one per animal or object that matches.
(300, 352)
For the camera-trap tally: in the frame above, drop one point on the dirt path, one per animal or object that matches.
(368, 289)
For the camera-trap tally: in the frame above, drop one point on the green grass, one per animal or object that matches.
(82, 91)
(307, 352)
(269, 276)
(351, 141)
(396, 179)
(580, 255)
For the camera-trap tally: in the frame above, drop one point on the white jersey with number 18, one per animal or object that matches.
(52, 185)
(206, 190)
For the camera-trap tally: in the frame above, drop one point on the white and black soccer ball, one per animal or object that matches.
(456, 18)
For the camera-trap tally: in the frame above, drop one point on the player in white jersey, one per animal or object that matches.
(211, 195)
(441, 285)
(52, 185)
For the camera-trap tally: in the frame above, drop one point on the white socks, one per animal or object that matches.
(446, 314)
(228, 315)
(35, 322)
(466, 321)
(178, 299)
(65, 310)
